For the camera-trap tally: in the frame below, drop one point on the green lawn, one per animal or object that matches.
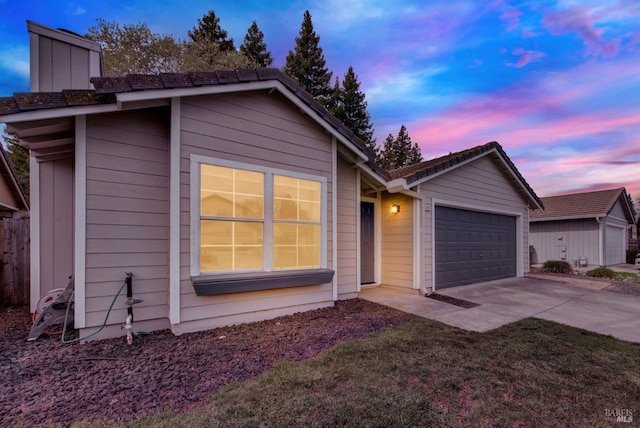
(424, 373)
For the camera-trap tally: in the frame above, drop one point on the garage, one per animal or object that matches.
(472, 246)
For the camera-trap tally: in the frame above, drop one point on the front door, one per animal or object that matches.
(367, 243)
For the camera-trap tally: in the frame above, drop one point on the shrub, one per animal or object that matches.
(556, 266)
(631, 256)
(602, 272)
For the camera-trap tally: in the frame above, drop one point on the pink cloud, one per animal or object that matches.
(512, 17)
(526, 56)
(579, 19)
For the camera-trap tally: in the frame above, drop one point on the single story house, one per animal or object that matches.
(589, 228)
(232, 196)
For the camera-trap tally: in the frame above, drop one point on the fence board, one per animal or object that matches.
(15, 268)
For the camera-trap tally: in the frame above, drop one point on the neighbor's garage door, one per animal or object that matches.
(473, 246)
(615, 241)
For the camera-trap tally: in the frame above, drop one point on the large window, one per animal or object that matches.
(258, 219)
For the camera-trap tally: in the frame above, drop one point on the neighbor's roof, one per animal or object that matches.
(107, 89)
(423, 171)
(12, 183)
(584, 205)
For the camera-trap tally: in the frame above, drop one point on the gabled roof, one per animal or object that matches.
(584, 205)
(108, 91)
(12, 183)
(424, 171)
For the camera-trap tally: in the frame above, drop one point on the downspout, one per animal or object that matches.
(600, 241)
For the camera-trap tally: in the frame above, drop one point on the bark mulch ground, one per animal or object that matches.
(47, 383)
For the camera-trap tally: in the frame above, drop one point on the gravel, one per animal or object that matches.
(47, 383)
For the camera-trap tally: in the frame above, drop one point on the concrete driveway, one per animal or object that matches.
(509, 300)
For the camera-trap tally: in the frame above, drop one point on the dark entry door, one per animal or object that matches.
(473, 246)
(367, 244)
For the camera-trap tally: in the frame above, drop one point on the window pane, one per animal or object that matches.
(215, 259)
(309, 211)
(284, 257)
(213, 232)
(296, 199)
(229, 192)
(248, 258)
(230, 245)
(296, 246)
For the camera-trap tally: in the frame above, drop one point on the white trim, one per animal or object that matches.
(194, 191)
(417, 238)
(571, 217)
(334, 215)
(57, 113)
(358, 230)
(194, 216)
(618, 218)
(480, 208)
(80, 222)
(174, 213)
(34, 59)
(34, 185)
(473, 207)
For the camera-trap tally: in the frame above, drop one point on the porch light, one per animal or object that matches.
(395, 208)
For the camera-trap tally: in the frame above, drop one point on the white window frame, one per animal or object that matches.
(197, 160)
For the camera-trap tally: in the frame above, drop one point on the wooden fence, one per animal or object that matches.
(15, 269)
(634, 244)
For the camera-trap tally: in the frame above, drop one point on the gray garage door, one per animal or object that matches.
(473, 246)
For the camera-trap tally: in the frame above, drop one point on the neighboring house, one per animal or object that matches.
(583, 228)
(12, 198)
(232, 196)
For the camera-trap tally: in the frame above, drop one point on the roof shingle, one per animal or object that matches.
(580, 205)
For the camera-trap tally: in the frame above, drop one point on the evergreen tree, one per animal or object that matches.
(334, 102)
(18, 157)
(255, 49)
(209, 30)
(306, 64)
(354, 110)
(399, 152)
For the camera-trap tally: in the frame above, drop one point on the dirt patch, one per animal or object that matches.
(46, 383)
(452, 300)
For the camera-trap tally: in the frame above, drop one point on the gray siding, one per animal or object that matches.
(347, 230)
(397, 241)
(479, 185)
(252, 128)
(56, 223)
(127, 213)
(580, 238)
(64, 66)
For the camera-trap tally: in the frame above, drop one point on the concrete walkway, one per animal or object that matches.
(509, 300)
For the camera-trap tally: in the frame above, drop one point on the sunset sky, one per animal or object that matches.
(556, 83)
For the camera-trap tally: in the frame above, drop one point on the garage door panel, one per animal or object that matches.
(473, 246)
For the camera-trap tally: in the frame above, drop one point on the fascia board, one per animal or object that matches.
(57, 113)
(571, 217)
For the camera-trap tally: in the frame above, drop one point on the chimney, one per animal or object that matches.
(61, 59)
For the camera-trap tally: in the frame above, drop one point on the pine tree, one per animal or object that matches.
(354, 110)
(255, 49)
(399, 152)
(209, 30)
(19, 159)
(306, 64)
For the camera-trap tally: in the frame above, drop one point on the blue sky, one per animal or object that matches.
(556, 83)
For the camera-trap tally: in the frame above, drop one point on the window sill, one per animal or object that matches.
(215, 284)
